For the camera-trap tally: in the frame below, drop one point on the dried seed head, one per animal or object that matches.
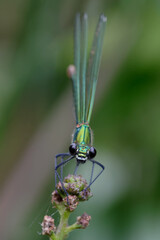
(48, 225)
(83, 220)
(71, 71)
(72, 202)
(56, 197)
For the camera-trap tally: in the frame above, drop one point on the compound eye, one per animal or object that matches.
(92, 152)
(73, 148)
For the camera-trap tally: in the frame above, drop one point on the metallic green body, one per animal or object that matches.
(83, 138)
(82, 135)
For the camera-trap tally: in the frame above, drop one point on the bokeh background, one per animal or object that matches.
(36, 116)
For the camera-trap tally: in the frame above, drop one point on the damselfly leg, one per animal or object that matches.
(76, 168)
(63, 162)
(93, 165)
(61, 155)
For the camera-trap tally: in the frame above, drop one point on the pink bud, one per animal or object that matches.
(71, 71)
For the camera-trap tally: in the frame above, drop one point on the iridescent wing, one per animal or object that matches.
(93, 66)
(74, 70)
(80, 63)
(84, 80)
(84, 41)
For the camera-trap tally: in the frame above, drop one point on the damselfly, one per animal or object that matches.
(84, 80)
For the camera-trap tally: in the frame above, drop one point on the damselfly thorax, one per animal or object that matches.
(82, 141)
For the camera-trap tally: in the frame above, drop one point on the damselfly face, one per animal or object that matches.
(82, 152)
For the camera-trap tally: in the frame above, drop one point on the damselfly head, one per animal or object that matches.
(82, 152)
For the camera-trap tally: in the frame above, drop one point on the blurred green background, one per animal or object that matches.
(36, 116)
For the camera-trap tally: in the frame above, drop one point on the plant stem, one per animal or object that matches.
(73, 227)
(62, 232)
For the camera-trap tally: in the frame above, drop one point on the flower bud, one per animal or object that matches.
(56, 197)
(71, 71)
(83, 220)
(48, 225)
(71, 202)
(75, 185)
